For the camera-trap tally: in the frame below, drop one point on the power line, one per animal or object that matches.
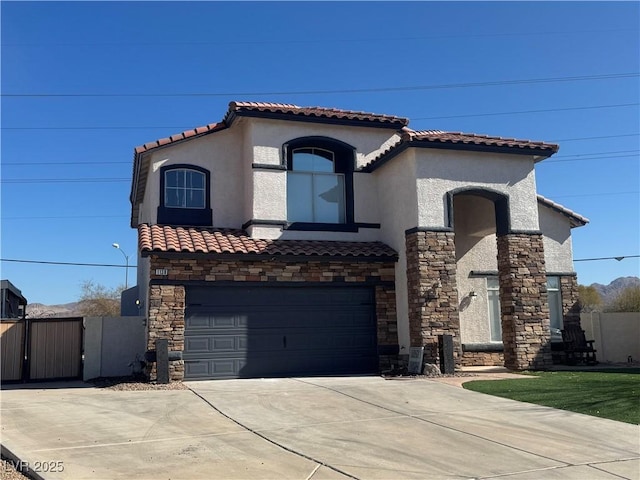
(74, 264)
(547, 162)
(63, 216)
(603, 194)
(528, 111)
(555, 159)
(620, 258)
(318, 41)
(594, 138)
(133, 127)
(595, 153)
(608, 76)
(65, 163)
(64, 180)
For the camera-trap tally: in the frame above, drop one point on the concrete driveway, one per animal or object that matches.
(320, 428)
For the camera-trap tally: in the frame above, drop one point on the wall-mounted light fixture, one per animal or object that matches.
(472, 294)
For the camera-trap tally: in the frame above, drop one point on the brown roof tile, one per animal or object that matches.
(473, 138)
(162, 238)
(212, 127)
(320, 113)
(461, 140)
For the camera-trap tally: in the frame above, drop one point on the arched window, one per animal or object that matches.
(184, 196)
(319, 181)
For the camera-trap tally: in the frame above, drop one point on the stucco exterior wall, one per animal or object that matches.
(268, 136)
(440, 171)
(398, 212)
(220, 154)
(556, 232)
(476, 250)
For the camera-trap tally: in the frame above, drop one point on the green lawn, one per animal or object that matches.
(610, 393)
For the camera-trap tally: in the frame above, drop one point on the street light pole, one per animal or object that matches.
(126, 258)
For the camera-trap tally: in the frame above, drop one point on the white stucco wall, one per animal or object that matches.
(267, 137)
(396, 189)
(556, 230)
(219, 153)
(440, 171)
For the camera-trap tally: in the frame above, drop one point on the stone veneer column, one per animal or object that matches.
(432, 291)
(166, 320)
(523, 301)
(570, 300)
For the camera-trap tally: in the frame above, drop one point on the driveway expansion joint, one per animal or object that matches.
(279, 445)
(417, 417)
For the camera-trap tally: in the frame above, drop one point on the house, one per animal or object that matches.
(14, 305)
(287, 240)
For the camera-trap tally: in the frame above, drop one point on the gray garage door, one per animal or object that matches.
(249, 332)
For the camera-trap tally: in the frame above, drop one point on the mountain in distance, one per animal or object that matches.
(609, 293)
(39, 310)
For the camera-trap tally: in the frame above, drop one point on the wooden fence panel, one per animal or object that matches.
(12, 349)
(55, 349)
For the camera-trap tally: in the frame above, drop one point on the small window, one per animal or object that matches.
(184, 188)
(555, 307)
(315, 191)
(493, 299)
(185, 196)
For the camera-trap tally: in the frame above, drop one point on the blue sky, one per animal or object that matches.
(67, 160)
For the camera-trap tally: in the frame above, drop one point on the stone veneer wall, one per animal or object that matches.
(166, 320)
(432, 291)
(479, 359)
(167, 302)
(523, 301)
(570, 300)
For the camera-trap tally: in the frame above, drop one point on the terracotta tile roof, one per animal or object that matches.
(212, 127)
(318, 113)
(462, 141)
(577, 220)
(162, 238)
(439, 136)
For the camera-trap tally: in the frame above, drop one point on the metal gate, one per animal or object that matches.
(42, 349)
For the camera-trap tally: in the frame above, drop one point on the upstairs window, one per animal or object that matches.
(184, 188)
(319, 184)
(315, 191)
(185, 196)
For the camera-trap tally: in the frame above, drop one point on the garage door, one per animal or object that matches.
(249, 332)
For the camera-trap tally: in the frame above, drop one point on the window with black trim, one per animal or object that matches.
(184, 188)
(554, 295)
(319, 182)
(184, 196)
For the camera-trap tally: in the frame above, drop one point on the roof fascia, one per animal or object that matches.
(232, 115)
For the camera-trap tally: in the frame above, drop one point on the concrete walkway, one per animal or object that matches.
(310, 428)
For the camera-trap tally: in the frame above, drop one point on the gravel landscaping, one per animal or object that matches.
(134, 382)
(8, 471)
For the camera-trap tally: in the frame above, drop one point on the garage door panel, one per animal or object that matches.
(244, 332)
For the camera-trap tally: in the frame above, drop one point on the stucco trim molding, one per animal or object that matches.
(483, 347)
(483, 273)
(428, 229)
(263, 223)
(522, 232)
(267, 166)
